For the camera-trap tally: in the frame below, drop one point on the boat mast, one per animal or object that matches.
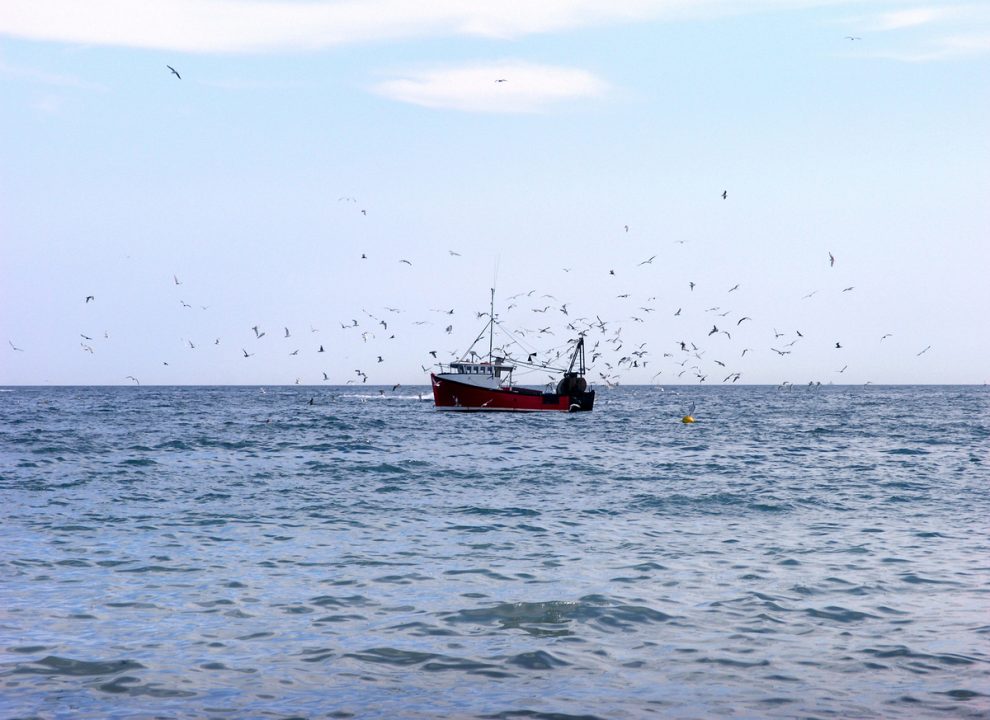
(578, 351)
(491, 327)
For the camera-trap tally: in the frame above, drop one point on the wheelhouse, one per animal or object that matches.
(495, 369)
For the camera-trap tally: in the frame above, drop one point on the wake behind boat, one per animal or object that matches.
(469, 384)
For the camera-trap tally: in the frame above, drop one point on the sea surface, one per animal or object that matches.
(207, 552)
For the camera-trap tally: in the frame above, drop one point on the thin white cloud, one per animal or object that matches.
(913, 17)
(925, 33)
(943, 48)
(268, 26)
(507, 87)
(279, 25)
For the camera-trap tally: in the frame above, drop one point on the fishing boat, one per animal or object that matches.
(472, 384)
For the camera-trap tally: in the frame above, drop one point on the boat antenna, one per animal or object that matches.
(491, 313)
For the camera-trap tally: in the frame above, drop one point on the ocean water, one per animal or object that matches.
(232, 553)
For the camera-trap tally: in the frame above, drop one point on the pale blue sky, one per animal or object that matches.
(115, 175)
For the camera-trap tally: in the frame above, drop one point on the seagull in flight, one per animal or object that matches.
(831, 260)
(647, 262)
(90, 297)
(131, 377)
(15, 347)
(924, 351)
(174, 71)
(724, 194)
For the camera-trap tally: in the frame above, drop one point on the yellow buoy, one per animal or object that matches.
(687, 419)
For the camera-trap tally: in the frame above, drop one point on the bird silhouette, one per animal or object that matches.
(175, 72)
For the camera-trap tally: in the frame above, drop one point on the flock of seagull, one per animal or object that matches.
(610, 351)
(540, 351)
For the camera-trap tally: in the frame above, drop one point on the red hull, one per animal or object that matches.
(453, 395)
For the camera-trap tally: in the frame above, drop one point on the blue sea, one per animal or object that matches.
(218, 552)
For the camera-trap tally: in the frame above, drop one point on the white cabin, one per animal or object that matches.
(482, 374)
